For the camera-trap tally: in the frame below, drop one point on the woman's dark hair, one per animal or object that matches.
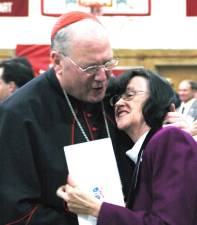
(161, 95)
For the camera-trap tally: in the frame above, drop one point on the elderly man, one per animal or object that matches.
(188, 107)
(61, 107)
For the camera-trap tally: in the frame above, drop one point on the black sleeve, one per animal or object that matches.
(21, 194)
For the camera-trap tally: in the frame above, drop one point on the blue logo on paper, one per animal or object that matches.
(98, 192)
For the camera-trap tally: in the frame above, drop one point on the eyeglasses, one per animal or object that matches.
(92, 70)
(128, 96)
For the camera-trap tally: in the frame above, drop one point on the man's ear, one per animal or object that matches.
(55, 58)
(56, 62)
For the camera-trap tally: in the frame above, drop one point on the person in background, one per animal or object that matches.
(164, 185)
(188, 107)
(65, 105)
(177, 100)
(14, 73)
(195, 90)
(177, 119)
(193, 129)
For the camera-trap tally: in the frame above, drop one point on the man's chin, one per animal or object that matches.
(96, 99)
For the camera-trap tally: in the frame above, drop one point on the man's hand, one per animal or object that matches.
(78, 201)
(178, 120)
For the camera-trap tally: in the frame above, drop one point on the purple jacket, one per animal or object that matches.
(167, 184)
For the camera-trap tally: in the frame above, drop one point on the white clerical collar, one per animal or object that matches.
(133, 153)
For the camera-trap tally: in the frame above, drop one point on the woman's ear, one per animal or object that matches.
(172, 107)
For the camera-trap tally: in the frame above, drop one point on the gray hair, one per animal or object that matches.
(62, 40)
(85, 30)
(193, 85)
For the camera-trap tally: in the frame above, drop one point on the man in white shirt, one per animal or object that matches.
(188, 105)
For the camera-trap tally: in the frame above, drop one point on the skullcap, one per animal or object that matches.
(69, 18)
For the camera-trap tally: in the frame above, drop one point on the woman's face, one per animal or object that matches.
(128, 109)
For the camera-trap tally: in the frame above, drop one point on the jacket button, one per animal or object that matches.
(94, 129)
(88, 115)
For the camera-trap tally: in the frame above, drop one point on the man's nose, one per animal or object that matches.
(101, 75)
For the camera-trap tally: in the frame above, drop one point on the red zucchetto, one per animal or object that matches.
(69, 18)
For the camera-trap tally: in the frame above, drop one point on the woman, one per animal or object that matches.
(164, 185)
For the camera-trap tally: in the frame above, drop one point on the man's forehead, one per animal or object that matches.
(184, 85)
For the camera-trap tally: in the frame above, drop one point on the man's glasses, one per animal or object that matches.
(128, 96)
(94, 69)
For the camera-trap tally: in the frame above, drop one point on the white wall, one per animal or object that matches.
(166, 28)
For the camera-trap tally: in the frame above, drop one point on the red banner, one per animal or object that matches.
(38, 55)
(14, 7)
(191, 7)
(111, 8)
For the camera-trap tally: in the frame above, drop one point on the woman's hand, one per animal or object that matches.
(78, 201)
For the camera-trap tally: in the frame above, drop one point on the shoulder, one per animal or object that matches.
(194, 104)
(36, 87)
(172, 140)
(34, 93)
(171, 132)
(22, 94)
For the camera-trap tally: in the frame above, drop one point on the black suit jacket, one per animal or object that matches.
(35, 125)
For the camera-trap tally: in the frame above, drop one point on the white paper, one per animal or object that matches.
(92, 165)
